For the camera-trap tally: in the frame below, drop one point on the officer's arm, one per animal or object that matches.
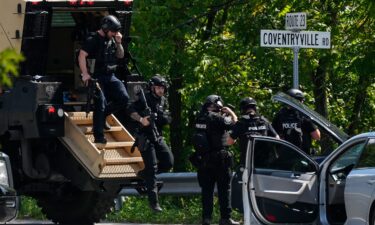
(83, 66)
(133, 112)
(119, 49)
(230, 112)
(273, 131)
(315, 134)
(143, 120)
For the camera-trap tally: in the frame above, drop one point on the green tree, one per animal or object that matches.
(212, 46)
(9, 61)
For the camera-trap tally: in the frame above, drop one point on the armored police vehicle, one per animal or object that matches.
(43, 124)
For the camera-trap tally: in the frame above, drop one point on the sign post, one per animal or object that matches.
(294, 38)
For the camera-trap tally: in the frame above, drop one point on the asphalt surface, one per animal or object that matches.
(39, 222)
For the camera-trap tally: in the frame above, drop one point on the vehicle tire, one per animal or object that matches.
(76, 207)
(372, 219)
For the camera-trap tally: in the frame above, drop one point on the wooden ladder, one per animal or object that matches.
(111, 160)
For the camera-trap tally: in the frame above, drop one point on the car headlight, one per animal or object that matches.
(4, 180)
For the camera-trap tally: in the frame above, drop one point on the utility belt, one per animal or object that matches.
(212, 159)
(105, 69)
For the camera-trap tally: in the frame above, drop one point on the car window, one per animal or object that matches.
(349, 159)
(367, 158)
(279, 156)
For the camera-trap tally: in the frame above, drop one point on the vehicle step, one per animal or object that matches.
(114, 144)
(123, 160)
(89, 130)
(111, 171)
(119, 155)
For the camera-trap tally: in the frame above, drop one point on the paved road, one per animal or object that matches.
(38, 222)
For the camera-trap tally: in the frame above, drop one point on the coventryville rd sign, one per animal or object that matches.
(289, 39)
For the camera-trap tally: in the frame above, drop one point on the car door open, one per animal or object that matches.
(283, 183)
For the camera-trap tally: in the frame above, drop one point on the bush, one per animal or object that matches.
(30, 209)
(176, 210)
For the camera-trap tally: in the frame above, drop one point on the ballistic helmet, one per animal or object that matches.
(110, 23)
(297, 94)
(214, 99)
(158, 80)
(246, 103)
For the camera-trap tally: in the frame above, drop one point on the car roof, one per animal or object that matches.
(364, 135)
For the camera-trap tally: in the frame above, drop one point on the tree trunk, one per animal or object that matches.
(360, 98)
(175, 104)
(320, 94)
(209, 26)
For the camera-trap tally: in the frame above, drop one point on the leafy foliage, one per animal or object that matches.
(176, 210)
(208, 47)
(9, 61)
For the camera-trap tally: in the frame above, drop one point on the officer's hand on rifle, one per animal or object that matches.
(85, 78)
(145, 121)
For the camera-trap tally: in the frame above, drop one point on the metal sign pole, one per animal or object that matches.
(295, 68)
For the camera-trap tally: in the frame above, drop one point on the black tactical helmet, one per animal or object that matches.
(158, 80)
(110, 23)
(214, 99)
(247, 102)
(297, 94)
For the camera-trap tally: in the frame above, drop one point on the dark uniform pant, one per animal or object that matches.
(114, 93)
(157, 158)
(207, 177)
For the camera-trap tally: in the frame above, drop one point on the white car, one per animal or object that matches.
(283, 185)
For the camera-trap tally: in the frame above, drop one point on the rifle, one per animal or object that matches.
(92, 88)
(141, 141)
(147, 112)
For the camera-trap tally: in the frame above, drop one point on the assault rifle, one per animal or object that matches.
(141, 139)
(92, 88)
(152, 117)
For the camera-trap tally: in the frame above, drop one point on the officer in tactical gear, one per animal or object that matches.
(213, 159)
(294, 127)
(155, 152)
(103, 49)
(250, 123)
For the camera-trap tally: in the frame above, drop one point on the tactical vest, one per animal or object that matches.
(255, 125)
(291, 125)
(106, 60)
(200, 136)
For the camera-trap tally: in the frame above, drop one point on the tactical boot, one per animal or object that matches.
(107, 126)
(100, 140)
(156, 207)
(154, 201)
(206, 221)
(228, 222)
(141, 174)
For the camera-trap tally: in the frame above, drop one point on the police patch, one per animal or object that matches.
(227, 120)
(201, 126)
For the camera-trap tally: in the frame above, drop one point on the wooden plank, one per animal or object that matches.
(123, 160)
(89, 130)
(114, 144)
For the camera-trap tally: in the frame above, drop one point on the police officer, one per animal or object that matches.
(155, 152)
(250, 123)
(104, 48)
(212, 123)
(294, 127)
